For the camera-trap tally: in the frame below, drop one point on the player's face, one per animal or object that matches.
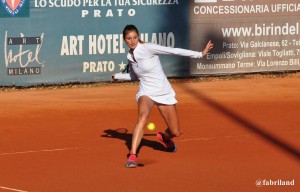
(132, 39)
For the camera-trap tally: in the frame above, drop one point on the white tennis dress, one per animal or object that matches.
(145, 66)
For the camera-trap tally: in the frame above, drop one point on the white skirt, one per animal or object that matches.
(166, 99)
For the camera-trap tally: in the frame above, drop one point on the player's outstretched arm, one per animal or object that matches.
(130, 76)
(121, 76)
(208, 47)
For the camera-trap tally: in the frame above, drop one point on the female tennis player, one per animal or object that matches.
(154, 89)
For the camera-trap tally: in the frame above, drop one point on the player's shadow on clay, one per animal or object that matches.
(121, 133)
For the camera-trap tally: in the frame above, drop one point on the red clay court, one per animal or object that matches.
(239, 135)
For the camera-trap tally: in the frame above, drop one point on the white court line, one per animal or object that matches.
(12, 189)
(195, 139)
(38, 151)
(211, 138)
(229, 136)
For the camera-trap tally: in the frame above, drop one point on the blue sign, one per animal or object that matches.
(81, 40)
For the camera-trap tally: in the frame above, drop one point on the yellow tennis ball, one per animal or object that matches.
(151, 126)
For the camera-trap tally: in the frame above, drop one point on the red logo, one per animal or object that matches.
(13, 6)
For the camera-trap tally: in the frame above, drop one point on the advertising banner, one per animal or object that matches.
(63, 41)
(249, 35)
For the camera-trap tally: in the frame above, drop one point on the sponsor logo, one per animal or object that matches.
(20, 53)
(15, 8)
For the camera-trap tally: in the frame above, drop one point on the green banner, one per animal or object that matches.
(62, 41)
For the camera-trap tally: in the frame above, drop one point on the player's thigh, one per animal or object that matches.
(145, 104)
(169, 113)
